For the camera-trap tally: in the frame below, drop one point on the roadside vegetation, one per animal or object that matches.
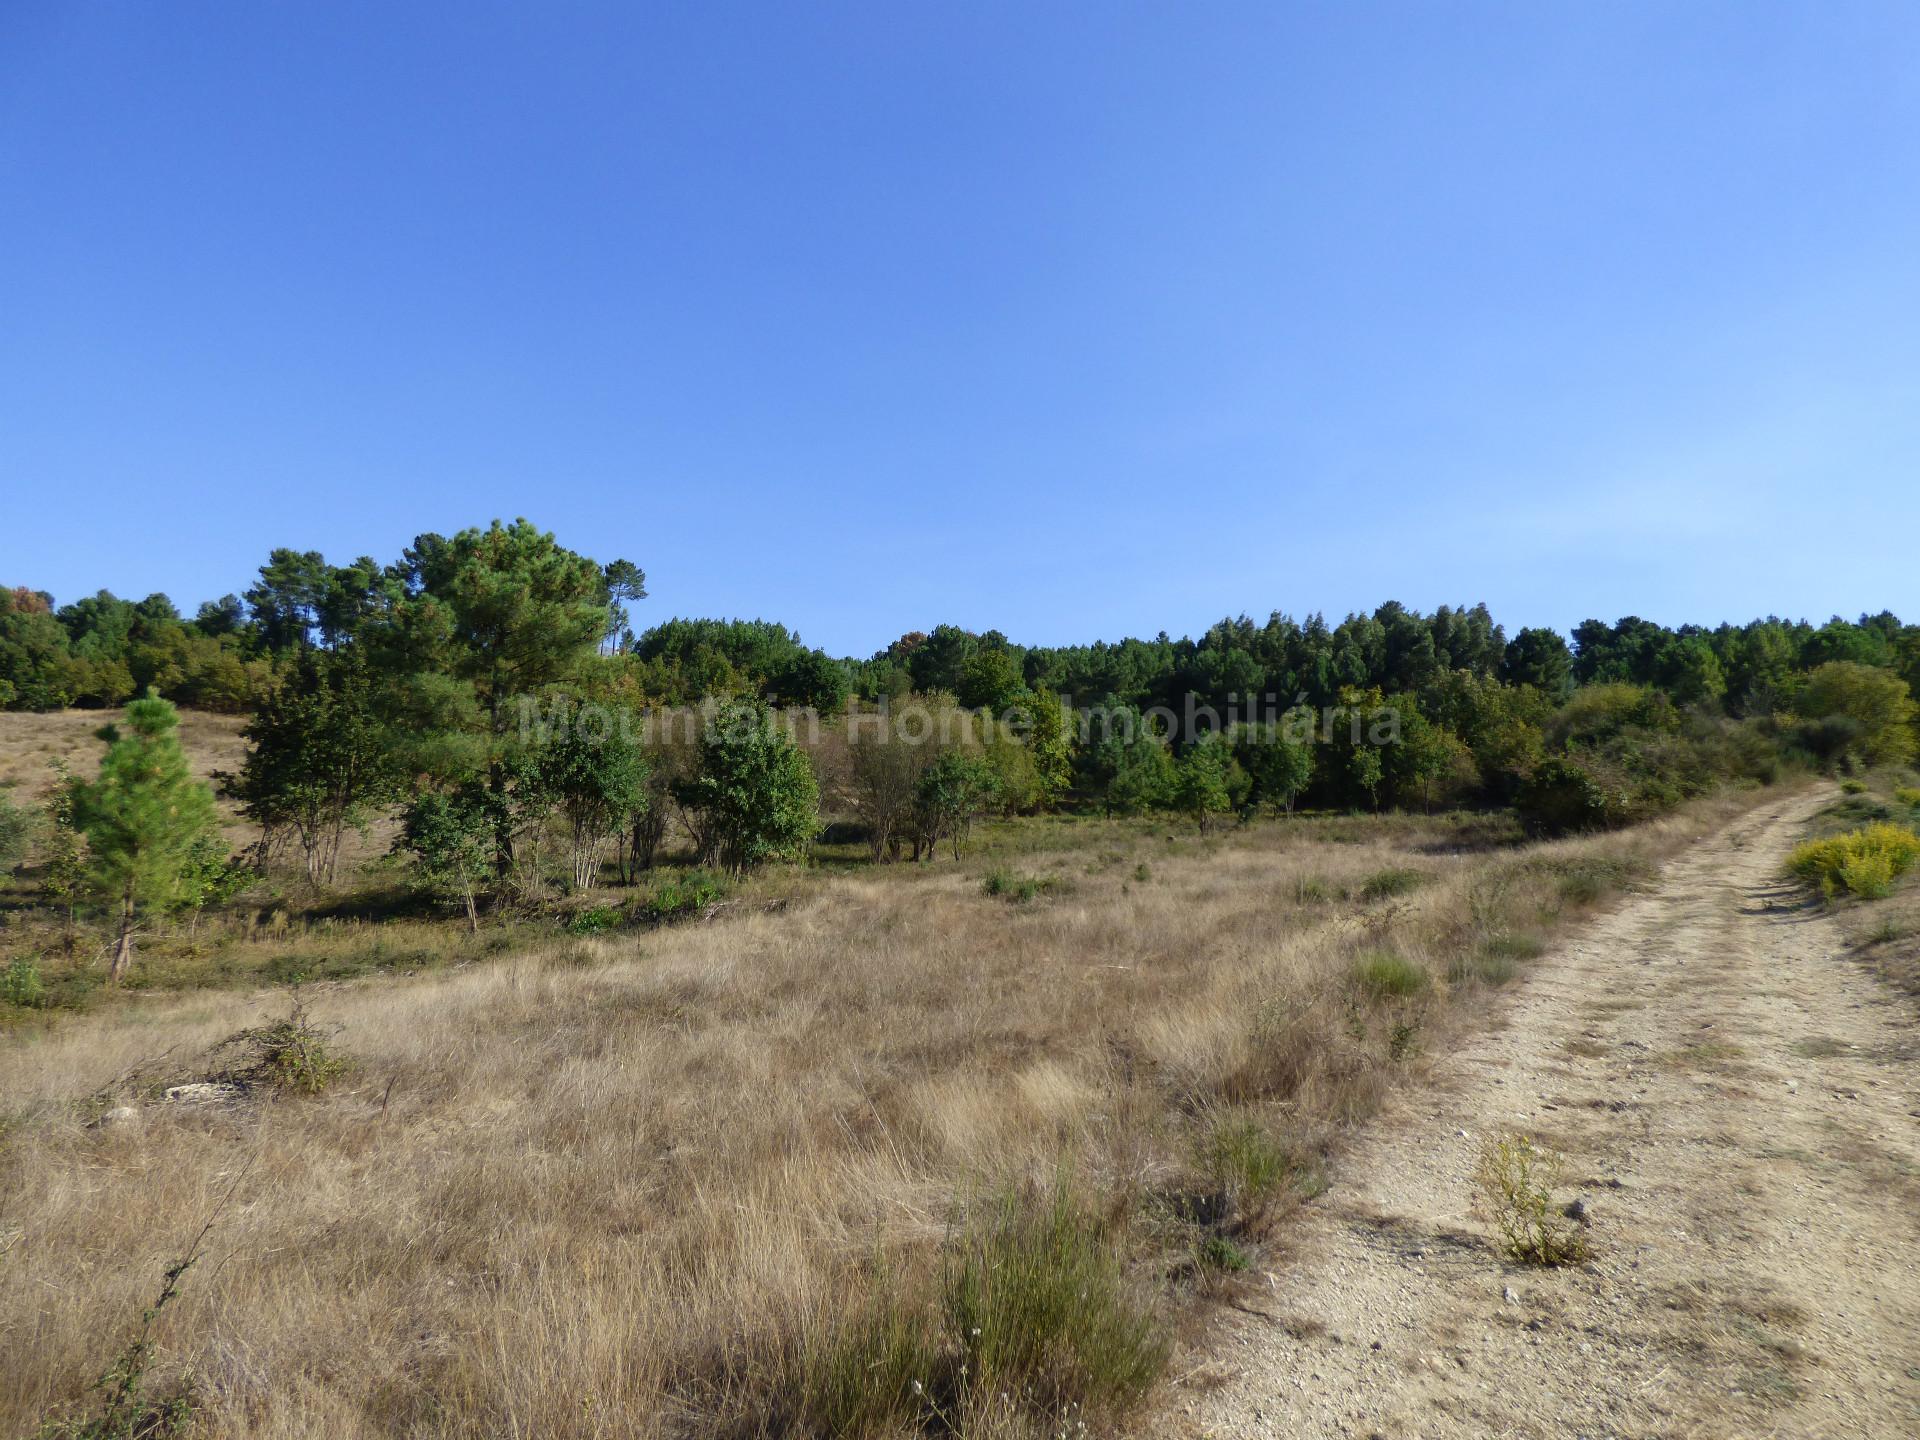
(1861, 859)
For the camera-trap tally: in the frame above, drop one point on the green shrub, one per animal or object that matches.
(1314, 890)
(1017, 889)
(1219, 1253)
(1487, 968)
(1383, 974)
(595, 920)
(1386, 884)
(678, 899)
(1853, 787)
(1516, 1180)
(1033, 1310)
(20, 984)
(1563, 798)
(1864, 863)
(1909, 796)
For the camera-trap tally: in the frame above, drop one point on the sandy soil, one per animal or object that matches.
(1740, 1106)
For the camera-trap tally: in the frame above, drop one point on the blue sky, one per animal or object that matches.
(1077, 320)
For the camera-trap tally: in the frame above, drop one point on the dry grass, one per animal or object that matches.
(641, 1186)
(29, 745)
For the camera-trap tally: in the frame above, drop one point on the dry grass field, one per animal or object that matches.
(965, 1148)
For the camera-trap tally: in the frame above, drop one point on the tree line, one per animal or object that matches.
(397, 690)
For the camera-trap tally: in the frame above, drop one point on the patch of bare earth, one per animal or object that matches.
(1741, 1109)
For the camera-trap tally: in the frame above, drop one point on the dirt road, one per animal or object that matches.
(1741, 1108)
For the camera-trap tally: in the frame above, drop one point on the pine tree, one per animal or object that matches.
(142, 818)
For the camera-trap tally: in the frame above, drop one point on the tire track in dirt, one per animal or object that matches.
(1740, 1105)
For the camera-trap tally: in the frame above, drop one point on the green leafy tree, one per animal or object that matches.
(1871, 705)
(753, 789)
(450, 836)
(1202, 780)
(211, 876)
(1279, 765)
(989, 678)
(1688, 670)
(626, 583)
(1424, 755)
(810, 680)
(35, 664)
(595, 772)
(1049, 741)
(952, 792)
(319, 759)
(143, 817)
(1359, 728)
(1142, 778)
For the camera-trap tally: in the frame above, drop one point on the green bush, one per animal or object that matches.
(1516, 1179)
(1016, 889)
(1562, 798)
(594, 921)
(1386, 884)
(678, 899)
(1909, 796)
(1864, 863)
(1219, 1253)
(1853, 787)
(1383, 974)
(20, 984)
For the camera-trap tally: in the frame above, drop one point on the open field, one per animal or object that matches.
(732, 1177)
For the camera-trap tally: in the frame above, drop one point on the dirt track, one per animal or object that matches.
(1741, 1107)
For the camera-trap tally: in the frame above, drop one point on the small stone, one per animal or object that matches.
(1510, 1295)
(121, 1115)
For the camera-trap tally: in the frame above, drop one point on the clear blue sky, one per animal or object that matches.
(1077, 320)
